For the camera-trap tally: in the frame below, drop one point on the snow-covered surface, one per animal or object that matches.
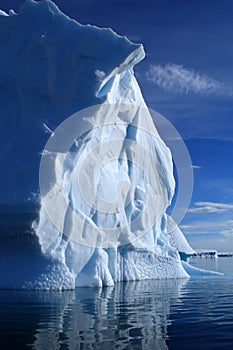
(178, 240)
(52, 67)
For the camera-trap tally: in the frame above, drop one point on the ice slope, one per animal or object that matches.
(52, 67)
(178, 240)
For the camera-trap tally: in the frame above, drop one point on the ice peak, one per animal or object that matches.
(38, 8)
(55, 70)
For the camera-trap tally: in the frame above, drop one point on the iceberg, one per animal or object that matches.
(85, 178)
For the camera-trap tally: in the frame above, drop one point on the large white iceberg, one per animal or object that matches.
(61, 78)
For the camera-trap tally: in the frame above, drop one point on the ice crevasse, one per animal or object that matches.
(61, 80)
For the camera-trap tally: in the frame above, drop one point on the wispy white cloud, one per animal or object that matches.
(206, 209)
(230, 222)
(177, 78)
(210, 207)
(227, 233)
(185, 227)
(214, 234)
(215, 204)
(219, 227)
(196, 166)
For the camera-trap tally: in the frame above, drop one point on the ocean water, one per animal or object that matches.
(184, 314)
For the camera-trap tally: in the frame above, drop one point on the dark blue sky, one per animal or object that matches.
(187, 76)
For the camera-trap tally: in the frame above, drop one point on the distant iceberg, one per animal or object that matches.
(57, 76)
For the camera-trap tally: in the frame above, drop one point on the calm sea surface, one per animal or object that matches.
(185, 314)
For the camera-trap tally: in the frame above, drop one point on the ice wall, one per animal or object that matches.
(51, 68)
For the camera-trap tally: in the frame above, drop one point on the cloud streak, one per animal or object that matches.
(217, 229)
(178, 79)
(210, 207)
(227, 232)
(196, 166)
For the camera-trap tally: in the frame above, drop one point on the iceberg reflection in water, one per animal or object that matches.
(128, 315)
